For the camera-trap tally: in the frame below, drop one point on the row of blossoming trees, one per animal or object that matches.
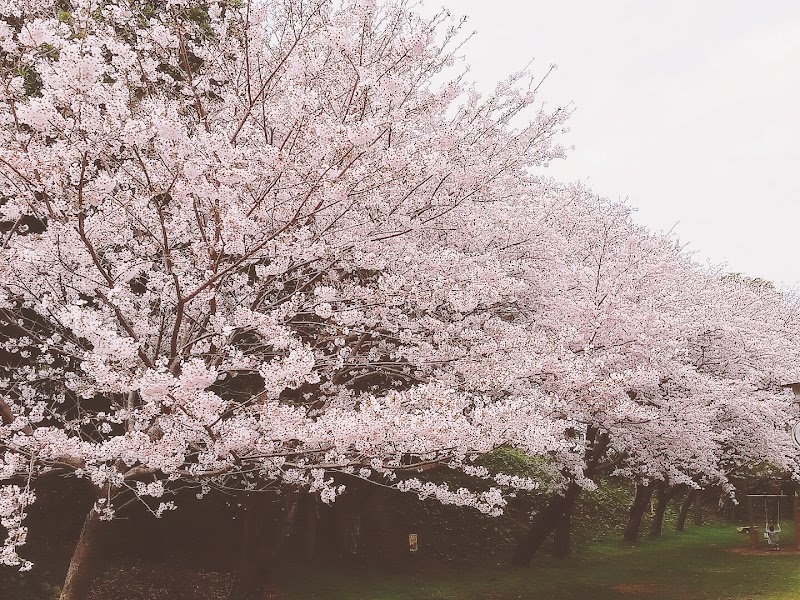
(260, 243)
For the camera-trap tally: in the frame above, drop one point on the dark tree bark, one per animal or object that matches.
(561, 506)
(246, 584)
(561, 535)
(85, 558)
(347, 522)
(640, 502)
(795, 501)
(698, 510)
(275, 542)
(664, 495)
(685, 506)
(262, 542)
(544, 524)
(310, 525)
(377, 532)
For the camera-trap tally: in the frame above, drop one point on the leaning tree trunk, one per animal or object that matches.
(545, 522)
(560, 506)
(640, 502)
(664, 495)
(685, 506)
(561, 535)
(85, 558)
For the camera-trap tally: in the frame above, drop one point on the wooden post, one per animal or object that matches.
(796, 515)
(753, 534)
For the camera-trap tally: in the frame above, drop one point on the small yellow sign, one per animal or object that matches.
(412, 542)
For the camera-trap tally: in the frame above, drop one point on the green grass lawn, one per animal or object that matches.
(701, 563)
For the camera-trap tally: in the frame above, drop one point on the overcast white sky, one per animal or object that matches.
(690, 109)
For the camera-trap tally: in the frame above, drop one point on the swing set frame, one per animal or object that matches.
(754, 538)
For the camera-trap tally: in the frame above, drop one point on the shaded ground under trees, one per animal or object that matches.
(289, 545)
(705, 563)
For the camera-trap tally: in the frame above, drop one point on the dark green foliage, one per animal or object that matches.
(514, 462)
(49, 51)
(32, 81)
(603, 511)
(65, 16)
(148, 11)
(172, 71)
(42, 585)
(453, 533)
(199, 15)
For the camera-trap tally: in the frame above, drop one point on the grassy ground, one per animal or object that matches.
(702, 563)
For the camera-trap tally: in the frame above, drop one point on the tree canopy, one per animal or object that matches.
(250, 244)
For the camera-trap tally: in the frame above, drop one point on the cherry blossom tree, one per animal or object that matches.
(741, 346)
(629, 318)
(254, 244)
(232, 255)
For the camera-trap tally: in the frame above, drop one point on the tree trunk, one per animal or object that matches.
(276, 541)
(561, 535)
(347, 522)
(262, 543)
(641, 500)
(377, 536)
(664, 495)
(752, 521)
(698, 511)
(83, 565)
(310, 525)
(685, 506)
(555, 512)
(246, 585)
(796, 517)
(561, 506)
